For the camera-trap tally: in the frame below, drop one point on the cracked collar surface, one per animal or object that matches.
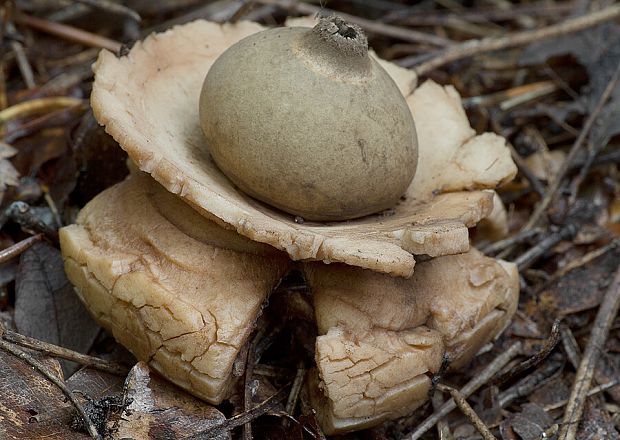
(173, 287)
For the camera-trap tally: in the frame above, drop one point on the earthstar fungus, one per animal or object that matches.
(179, 276)
(160, 79)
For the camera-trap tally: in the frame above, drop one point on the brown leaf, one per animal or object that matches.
(95, 383)
(30, 405)
(99, 160)
(531, 422)
(598, 51)
(582, 288)
(46, 307)
(158, 409)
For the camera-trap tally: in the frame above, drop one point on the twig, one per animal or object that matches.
(474, 47)
(112, 7)
(592, 153)
(375, 27)
(247, 390)
(592, 392)
(61, 117)
(526, 259)
(22, 214)
(583, 260)
(468, 412)
(519, 237)
(600, 330)
(19, 353)
(523, 167)
(257, 411)
(482, 15)
(298, 382)
(64, 353)
(604, 159)
(443, 429)
(38, 105)
(69, 33)
(243, 418)
(19, 247)
(529, 383)
(470, 387)
(555, 183)
(569, 343)
(242, 10)
(4, 100)
(251, 359)
(22, 60)
(534, 360)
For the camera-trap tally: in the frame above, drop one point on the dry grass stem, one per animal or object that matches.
(475, 47)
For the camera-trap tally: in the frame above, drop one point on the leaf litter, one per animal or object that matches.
(54, 165)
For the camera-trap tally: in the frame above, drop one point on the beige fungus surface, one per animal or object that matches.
(148, 101)
(381, 337)
(178, 291)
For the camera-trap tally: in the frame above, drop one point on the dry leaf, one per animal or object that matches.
(598, 50)
(30, 405)
(158, 410)
(46, 307)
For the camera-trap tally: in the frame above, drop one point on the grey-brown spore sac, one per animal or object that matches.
(316, 128)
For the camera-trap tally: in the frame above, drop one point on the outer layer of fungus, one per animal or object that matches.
(382, 336)
(148, 101)
(177, 290)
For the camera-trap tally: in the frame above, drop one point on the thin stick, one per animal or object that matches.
(112, 7)
(569, 343)
(247, 393)
(475, 47)
(22, 60)
(69, 33)
(243, 418)
(249, 372)
(243, 10)
(443, 429)
(529, 383)
(500, 245)
(470, 387)
(19, 247)
(583, 260)
(468, 412)
(375, 27)
(592, 153)
(534, 360)
(555, 183)
(293, 396)
(18, 353)
(535, 183)
(65, 353)
(37, 105)
(526, 259)
(479, 15)
(592, 392)
(600, 330)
